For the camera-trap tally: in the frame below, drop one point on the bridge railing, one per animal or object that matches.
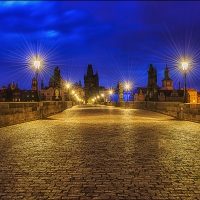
(184, 111)
(18, 112)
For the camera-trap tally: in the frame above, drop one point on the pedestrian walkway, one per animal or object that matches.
(102, 153)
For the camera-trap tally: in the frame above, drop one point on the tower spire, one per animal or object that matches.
(89, 70)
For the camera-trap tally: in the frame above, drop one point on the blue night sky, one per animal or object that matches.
(120, 39)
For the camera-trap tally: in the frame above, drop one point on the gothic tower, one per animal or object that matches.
(91, 82)
(152, 88)
(167, 82)
(34, 85)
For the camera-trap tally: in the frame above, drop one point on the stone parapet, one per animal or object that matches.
(18, 112)
(183, 111)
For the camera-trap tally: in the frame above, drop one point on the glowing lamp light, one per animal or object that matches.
(127, 86)
(37, 64)
(185, 65)
(68, 85)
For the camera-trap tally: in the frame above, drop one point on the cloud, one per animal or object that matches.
(103, 32)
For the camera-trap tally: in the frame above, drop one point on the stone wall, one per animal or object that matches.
(18, 112)
(178, 110)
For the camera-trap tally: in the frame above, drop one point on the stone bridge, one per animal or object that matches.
(99, 152)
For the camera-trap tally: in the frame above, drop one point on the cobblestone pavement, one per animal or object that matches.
(101, 153)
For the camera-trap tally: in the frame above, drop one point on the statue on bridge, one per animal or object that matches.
(120, 92)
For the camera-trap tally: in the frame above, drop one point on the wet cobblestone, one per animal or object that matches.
(101, 153)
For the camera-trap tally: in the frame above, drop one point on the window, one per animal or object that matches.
(48, 93)
(168, 83)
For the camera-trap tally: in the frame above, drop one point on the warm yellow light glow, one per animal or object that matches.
(102, 95)
(110, 92)
(73, 91)
(127, 86)
(37, 64)
(185, 65)
(68, 85)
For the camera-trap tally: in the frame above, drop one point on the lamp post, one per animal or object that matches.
(68, 95)
(102, 95)
(127, 87)
(36, 64)
(185, 66)
(110, 93)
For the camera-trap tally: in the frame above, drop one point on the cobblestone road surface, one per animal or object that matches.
(101, 153)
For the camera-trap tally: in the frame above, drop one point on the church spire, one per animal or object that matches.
(167, 82)
(89, 70)
(166, 73)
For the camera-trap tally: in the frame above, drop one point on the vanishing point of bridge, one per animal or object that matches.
(101, 153)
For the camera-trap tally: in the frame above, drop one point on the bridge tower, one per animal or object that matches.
(91, 82)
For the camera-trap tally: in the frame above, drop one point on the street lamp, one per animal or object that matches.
(68, 85)
(110, 93)
(127, 87)
(36, 64)
(184, 66)
(102, 95)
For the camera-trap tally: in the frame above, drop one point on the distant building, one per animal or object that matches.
(192, 95)
(34, 87)
(56, 89)
(141, 96)
(167, 82)
(12, 93)
(79, 92)
(135, 96)
(171, 95)
(198, 97)
(104, 94)
(167, 92)
(29, 95)
(91, 82)
(46, 94)
(3, 94)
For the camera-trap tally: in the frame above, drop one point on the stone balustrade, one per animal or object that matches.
(183, 111)
(18, 112)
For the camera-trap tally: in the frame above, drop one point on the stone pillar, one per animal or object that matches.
(41, 109)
